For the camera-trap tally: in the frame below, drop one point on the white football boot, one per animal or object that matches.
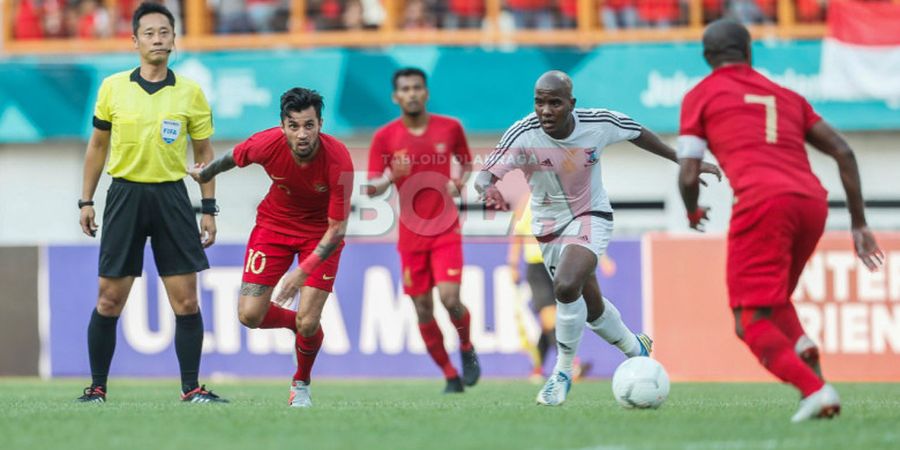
(555, 390)
(300, 395)
(823, 403)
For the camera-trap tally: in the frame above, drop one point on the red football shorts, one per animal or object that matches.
(768, 246)
(270, 255)
(441, 263)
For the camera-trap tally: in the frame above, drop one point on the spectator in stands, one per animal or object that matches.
(416, 16)
(231, 16)
(464, 14)
(353, 15)
(261, 14)
(325, 14)
(93, 20)
(54, 19)
(659, 13)
(568, 13)
(751, 11)
(616, 14)
(809, 11)
(531, 13)
(27, 21)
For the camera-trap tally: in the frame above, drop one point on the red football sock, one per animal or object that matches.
(278, 317)
(307, 348)
(434, 342)
(462, 327)
(776, 354)
(785, 318)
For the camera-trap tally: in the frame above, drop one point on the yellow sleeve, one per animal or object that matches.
(102, 108)
(523, 226)
(200, 120)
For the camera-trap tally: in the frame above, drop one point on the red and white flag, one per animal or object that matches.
(861, 52)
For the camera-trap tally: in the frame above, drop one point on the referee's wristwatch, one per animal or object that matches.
(83, 203)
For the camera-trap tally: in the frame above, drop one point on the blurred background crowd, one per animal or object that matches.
(37, 19)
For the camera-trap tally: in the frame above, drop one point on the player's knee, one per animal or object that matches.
(185, 305)
(453, 305)
(307, 326)
(110, 305)
(250, 319)
(566, 290)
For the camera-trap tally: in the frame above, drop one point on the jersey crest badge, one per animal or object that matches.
(320, 187)
(440, 148)
(170, 130)
(591, 156)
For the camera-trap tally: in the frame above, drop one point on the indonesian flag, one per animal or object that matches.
(861, 52)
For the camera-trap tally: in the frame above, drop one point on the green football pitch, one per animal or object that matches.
(413, 414)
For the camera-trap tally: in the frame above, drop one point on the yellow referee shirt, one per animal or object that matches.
(150, 123)
(532, 250)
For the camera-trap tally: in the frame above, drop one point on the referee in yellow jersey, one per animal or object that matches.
(145, 116)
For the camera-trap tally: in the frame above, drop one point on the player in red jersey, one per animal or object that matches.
(414, 152)
(756, 129)
(304, 214)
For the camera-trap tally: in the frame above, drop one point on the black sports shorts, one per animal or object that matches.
(160, 211)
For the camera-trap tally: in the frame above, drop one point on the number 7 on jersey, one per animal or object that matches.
(771, 114)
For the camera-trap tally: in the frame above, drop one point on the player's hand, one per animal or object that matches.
(401, 166)
(207, 230)
(454, 187)
(88, 225)
(698, 218)
(292, 284)
(866, 248)
(514, 273)
(194, 172)
(706, 167)
(493, 199)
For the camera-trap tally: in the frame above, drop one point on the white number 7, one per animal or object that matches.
(771, 114)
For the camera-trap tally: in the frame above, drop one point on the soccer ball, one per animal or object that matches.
(640, 382)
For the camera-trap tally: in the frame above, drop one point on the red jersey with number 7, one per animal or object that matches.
(756, 129)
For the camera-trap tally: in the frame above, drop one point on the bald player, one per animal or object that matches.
(756, 129)
(558, 148)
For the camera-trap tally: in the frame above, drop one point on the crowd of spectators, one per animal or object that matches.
(36, 19)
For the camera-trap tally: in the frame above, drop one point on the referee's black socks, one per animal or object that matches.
(101, 346)
(188, 345)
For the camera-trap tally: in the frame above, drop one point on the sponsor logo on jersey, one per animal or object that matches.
(320, 187)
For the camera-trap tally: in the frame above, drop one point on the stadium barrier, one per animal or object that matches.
(645, 81)
(853, 314)
(670, 285)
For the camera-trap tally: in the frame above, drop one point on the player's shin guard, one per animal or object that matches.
(612, 329)
(307, 348)
(188, 345)
(434, 343)
(462, 327)
(278, 317)
(101, 346)
(570, 319)
(776, 354)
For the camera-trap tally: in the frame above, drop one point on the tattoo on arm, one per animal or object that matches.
(325, 249)
(254, 290)
(226, 162)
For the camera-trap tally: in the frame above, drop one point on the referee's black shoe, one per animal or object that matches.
(201, 395)
(471, 367)
(93, 394)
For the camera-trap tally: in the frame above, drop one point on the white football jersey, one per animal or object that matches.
(564, 174)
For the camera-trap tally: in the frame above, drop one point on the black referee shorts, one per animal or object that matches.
(160, 211)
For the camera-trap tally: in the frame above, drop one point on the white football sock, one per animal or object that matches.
(612, 329)
(570, 319)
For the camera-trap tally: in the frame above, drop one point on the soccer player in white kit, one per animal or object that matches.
(558, 148)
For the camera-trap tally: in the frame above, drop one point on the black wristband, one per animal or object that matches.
(208, 206)
(83, 203)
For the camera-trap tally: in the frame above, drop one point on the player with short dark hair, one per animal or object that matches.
(756, 129)
(147, 115)
(304, 215)
(558, 148)
(415, 152)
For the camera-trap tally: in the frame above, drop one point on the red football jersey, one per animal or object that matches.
(302, 197)
(426, 208)
(756, 129)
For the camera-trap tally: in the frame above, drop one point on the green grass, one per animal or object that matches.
(401, 414)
